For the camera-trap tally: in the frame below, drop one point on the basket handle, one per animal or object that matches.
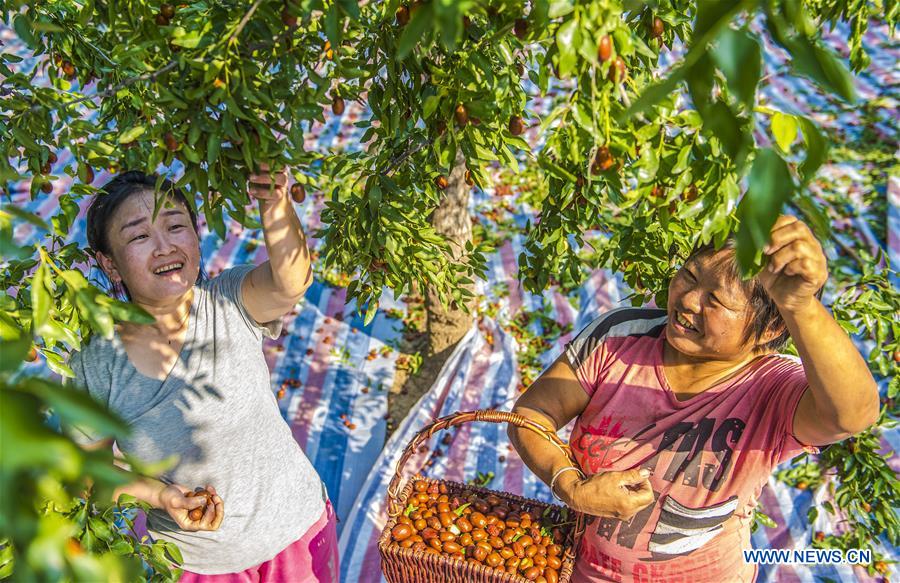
(488, 415)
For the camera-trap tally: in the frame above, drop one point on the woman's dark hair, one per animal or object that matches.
(105, 204)
(765, 314)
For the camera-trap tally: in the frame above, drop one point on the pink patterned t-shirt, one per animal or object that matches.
(710, 455)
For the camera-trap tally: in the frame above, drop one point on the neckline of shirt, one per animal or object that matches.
(716, 389)
(183, 353)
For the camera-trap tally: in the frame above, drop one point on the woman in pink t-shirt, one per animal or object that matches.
(683, 413)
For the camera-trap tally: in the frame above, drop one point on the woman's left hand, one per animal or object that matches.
(797, 266)
(264, 187)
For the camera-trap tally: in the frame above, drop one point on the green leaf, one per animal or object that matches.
(784, 129)
(58, 364)
(9, 250)
(371, 311)
(188, 40)
(213, 144)
(559, 8)
(172, 550)
(26, 442)
(503, 49)
(125, 311)
(648, 165)
(653, 94)
(700, 80)
(13, 352)
(74, 279)
(816, 148)
(332, 26)
(415, 30)
(449, 24)
(216, 221)
(729, 129)
(24, 138)
(7, 562)
(76, 407)
(25, 216)
(737, 55)
(770, 187)
(122, 547)
(819, 64)
(566, 42)
(351, 8)
(430, 105)
(710, 13)
(132, 134)
(101, 529)
(57, 332)
(556, 170)
(562, 245)
(308, 111)
(374, 197)
(683, 160)
(98, 318)
(22, 25)
(40, 298)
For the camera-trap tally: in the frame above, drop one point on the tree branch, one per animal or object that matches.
(244, 21)
(835, 238)
(848, 251)
(113, 90)
(393, 164)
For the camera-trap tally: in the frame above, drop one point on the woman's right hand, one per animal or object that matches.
(177, 504)
(607, 494)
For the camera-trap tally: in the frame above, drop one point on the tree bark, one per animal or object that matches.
(446, 326)
(443, 328)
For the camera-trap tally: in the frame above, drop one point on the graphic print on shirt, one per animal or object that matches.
(687, 440)
(596, 444)
(677, 460)
(681, 530)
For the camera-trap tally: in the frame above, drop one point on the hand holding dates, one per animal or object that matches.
(609, 494)
(201, 509)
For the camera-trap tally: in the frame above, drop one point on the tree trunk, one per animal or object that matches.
(443, 328)
(451, 219)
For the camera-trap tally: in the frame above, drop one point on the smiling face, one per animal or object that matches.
(709, 311)
(158, 261)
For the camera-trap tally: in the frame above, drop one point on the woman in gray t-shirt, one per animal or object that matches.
(195, 384)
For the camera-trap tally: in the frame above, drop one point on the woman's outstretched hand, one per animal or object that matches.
(264, 187)
(178, 502)
(608, 494)
(797, 266)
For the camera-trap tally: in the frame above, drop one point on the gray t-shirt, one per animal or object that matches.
(217, 413)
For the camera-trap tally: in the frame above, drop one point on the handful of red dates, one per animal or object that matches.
(481, 529)
(196, 514)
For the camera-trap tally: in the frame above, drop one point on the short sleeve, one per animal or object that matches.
(788, 385)
(587, 353)
(228, 285)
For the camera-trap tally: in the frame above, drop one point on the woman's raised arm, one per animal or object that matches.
(842, 398)
(274, 287)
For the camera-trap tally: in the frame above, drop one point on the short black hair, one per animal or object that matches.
(765, 314)
(110, 198)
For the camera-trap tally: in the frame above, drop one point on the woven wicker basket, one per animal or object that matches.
(404, 565)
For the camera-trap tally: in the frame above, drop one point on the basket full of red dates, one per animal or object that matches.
(441, 531)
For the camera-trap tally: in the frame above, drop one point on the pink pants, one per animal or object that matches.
(312, 559)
